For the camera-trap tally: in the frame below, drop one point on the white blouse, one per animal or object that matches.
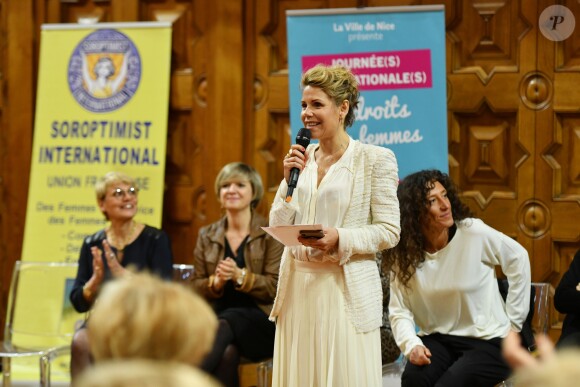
(325, 204)
(358, 196)
(455, 290)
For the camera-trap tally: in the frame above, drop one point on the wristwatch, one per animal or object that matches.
(241, 278)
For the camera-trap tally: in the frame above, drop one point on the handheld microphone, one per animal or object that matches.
(302, 138)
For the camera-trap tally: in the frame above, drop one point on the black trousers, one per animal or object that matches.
(458, 362)
(253, 332)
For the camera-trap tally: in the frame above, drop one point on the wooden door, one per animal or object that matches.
(512, 112)
(552, 215)
(491, 59)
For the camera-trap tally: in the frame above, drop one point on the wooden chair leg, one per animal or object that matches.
(248, 374)
(265, 373)
(256, 374)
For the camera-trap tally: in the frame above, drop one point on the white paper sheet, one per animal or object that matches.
(288, 235)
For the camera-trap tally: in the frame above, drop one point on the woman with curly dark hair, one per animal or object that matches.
(446, 312)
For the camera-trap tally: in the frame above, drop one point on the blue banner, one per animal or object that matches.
(398, 57)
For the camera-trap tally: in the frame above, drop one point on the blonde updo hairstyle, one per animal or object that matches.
(240, 171)
(144, 373)
(338, 83)
(142, 316)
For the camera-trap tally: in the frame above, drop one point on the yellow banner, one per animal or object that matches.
(102, 105)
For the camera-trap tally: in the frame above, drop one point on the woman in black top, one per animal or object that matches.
(567, 300)
(108, 253)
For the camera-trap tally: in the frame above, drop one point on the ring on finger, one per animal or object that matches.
(112, 255)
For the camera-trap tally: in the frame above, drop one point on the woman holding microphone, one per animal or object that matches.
(328, 308)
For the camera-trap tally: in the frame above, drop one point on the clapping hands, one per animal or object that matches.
(114, 265)
(226, 270)
(94, 283)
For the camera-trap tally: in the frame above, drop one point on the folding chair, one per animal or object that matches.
(40, 321)
(537, 321)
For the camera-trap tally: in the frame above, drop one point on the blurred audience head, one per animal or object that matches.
(144, 373)
(560, 370)
(142, 316)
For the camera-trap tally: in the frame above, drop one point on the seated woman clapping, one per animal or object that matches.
(236, 269)
(108, 253)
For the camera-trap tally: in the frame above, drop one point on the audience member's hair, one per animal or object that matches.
(561, 370)
(144, 373)
(141, 316)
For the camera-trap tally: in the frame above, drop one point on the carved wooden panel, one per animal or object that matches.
(487, 38)
(16, 117)
(489, 151)
(4, 253)
(491, 48)
(184, 148)
(557, 185)
(86, 12)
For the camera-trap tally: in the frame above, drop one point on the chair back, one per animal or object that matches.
(537, 319)
(39, 314)
(183, 273)
(541, 307)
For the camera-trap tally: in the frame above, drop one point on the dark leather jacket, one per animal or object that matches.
(261, 253)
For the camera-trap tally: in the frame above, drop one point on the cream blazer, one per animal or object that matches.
(371, 224)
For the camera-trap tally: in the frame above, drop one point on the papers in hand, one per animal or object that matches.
(288, 235)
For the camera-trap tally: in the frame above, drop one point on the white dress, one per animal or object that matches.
(316, 343)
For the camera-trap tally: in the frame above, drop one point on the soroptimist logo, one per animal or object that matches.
(104, 71)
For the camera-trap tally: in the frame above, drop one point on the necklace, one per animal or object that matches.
(327, 161)
(120, 244)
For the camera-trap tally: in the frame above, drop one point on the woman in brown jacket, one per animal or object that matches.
(236, 269)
